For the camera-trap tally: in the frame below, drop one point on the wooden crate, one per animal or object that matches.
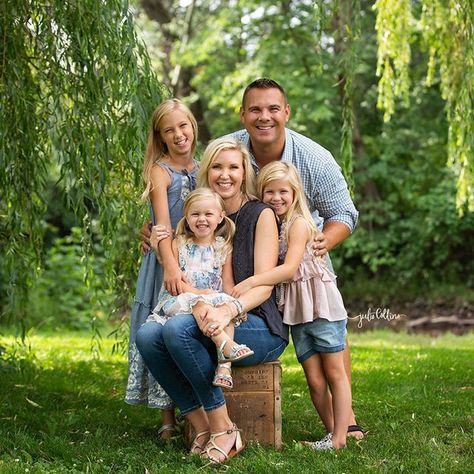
(254, 404)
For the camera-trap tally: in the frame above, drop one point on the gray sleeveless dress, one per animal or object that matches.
(142, 388)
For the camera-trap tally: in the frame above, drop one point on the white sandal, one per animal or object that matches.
(234, 450)
(196, 445)
(232, 357)
(167, 427)
(227, 381)
(324, 444)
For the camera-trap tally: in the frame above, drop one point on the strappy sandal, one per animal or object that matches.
(226, 380)
(234, 450)
(167, 427)
(232, 357)
(195, 445)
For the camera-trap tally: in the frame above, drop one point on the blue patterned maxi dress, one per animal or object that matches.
(142, 388)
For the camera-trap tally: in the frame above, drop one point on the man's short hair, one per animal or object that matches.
(263, 83)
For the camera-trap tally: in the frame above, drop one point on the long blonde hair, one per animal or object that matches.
(225, 229)
(281, 170)
(212, 151)
(156, 149)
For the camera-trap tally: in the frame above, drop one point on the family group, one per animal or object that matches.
(236, 257)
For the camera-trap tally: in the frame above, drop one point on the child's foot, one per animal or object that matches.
(223, 379)
(324, 444)
(355, 431)
(230, 351)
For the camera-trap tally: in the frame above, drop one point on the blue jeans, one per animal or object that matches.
(183, 360)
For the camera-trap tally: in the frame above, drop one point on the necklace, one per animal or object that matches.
(238, 211)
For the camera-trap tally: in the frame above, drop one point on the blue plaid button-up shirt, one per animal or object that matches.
(324, 185)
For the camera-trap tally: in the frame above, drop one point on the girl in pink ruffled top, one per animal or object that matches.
(307, 296)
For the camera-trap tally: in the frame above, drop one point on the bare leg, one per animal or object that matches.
(347, 367)
(318, 390)
(333, 363)
(228, 335)
(220, 422)
(214, 421)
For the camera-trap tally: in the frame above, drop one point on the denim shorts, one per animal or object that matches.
(317, 336)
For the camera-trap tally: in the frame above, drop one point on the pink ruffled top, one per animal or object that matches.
(312, 292)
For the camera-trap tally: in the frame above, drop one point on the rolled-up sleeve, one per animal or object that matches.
(331, 195)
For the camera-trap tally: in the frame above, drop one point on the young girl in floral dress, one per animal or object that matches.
(203, 249)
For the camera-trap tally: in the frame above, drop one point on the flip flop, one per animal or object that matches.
(355, 429)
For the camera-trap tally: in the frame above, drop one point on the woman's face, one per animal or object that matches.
(226, 174)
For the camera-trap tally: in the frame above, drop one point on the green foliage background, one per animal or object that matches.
(384, 87)
(77, 91)
(78, 87)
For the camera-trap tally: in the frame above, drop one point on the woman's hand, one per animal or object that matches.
(212, 321)
(242, 288)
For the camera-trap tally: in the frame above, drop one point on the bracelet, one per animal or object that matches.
(240, 308)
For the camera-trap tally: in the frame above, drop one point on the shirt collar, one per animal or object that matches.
(286, 155)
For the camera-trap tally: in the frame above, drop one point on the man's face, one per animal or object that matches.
(264, 115)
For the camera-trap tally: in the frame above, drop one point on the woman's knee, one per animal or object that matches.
(176, 327)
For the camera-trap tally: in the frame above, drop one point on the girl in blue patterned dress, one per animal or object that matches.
(203, 248)
(169, 175)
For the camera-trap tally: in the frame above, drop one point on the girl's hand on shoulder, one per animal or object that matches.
(242, 288)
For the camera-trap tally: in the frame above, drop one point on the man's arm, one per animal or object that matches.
(334, 204)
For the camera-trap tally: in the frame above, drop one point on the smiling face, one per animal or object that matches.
(177, 134)
(226, 174)
(264, 114)
(279, 195)
(203, 217)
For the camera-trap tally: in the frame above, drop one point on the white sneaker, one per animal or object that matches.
(323, 444)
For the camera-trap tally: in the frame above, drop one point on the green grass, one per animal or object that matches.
(62, 412)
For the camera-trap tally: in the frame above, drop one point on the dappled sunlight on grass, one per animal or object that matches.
(63, 411)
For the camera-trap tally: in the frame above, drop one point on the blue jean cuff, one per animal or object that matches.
(319, 350)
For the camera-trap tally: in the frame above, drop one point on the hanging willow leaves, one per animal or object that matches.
(77, 91)
(447, 32)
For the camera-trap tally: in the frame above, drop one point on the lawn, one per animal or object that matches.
(62, 412)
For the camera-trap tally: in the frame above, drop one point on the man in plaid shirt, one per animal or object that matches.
(264, 113)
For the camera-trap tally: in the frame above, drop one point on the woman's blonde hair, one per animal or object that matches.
(225, 229)
(156, 149)
(281, 170)
(212, 151)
